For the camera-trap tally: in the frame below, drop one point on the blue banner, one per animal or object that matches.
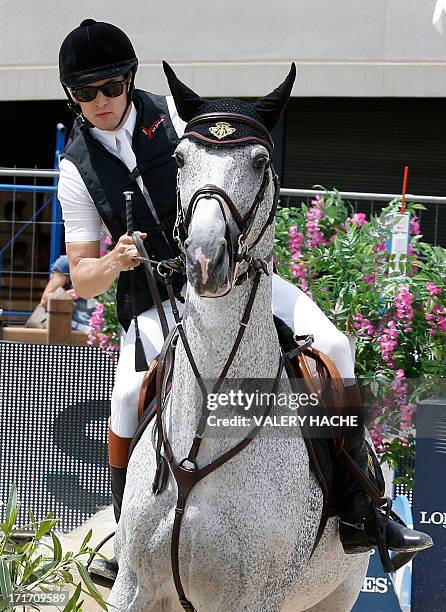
(429, 508)
(377, 593)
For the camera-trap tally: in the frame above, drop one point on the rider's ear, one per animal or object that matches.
(187, 101)
(271, 106)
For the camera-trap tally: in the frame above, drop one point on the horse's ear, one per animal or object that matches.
(271, 106)
(187, 101)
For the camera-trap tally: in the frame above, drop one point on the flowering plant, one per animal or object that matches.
(396, 308)
(104, 324)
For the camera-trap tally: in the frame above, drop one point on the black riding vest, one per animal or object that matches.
(106, 177)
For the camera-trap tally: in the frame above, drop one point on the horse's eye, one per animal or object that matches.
(179, 159)
(259, 160)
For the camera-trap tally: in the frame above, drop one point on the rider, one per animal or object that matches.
(123, 139)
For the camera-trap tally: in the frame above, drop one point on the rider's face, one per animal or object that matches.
(105, 112)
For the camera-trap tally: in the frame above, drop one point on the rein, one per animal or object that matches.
(187, 477)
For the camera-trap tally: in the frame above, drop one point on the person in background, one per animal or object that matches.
(60, 279)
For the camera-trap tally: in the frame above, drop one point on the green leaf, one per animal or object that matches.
(86, 539)
(67, 576)
(45, 569)
(28, 575)
(12, 505)
(57, 548)
(71, 605)
(45, 526)
(90, 585)
(6, 587)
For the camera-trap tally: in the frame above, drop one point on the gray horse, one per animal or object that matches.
(248, 527)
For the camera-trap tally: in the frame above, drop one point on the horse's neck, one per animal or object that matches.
(211, 327)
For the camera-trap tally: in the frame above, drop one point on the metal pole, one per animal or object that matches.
(32, 172)
(28, 188)
(56, 212)
(356, 195)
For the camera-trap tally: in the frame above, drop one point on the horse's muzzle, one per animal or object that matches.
(208, 267)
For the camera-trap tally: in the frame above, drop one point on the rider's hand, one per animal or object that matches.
(125, 251)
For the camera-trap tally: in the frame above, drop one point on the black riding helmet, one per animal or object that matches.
(94, 51)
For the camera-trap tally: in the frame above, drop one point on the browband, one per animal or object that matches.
(239, 118)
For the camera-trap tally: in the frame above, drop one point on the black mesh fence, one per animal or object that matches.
(54, 409)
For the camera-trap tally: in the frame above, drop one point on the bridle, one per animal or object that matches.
(245, 242)
(186, 472)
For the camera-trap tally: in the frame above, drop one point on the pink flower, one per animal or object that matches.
(91, 339)
(415, 226)
(363, 325)
(296, 240)
(317, 200)
(391, 330)
(315, 237)
(369, 278)
(298, 269)
(433, 289)
(104, 245)
(388, 343)
(436, 319)
(380, 247)
(112, 352)
(377, 435)
(96, 323)
(304, 284)
(359, 219)
(404, 309)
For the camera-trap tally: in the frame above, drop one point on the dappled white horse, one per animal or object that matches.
(249, 527)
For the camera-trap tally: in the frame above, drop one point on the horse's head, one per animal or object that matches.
(227, 189)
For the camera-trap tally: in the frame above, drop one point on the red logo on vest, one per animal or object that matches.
(149, 132)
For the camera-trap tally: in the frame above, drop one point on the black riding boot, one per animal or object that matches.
(364, 524)
(118, 476)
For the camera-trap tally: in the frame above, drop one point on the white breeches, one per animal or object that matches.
(289, 303)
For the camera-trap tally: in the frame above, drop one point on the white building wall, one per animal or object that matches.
(239, 47)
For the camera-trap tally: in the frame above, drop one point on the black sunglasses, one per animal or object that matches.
(111, 89)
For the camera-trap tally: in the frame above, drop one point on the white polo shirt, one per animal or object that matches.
(81, 218)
